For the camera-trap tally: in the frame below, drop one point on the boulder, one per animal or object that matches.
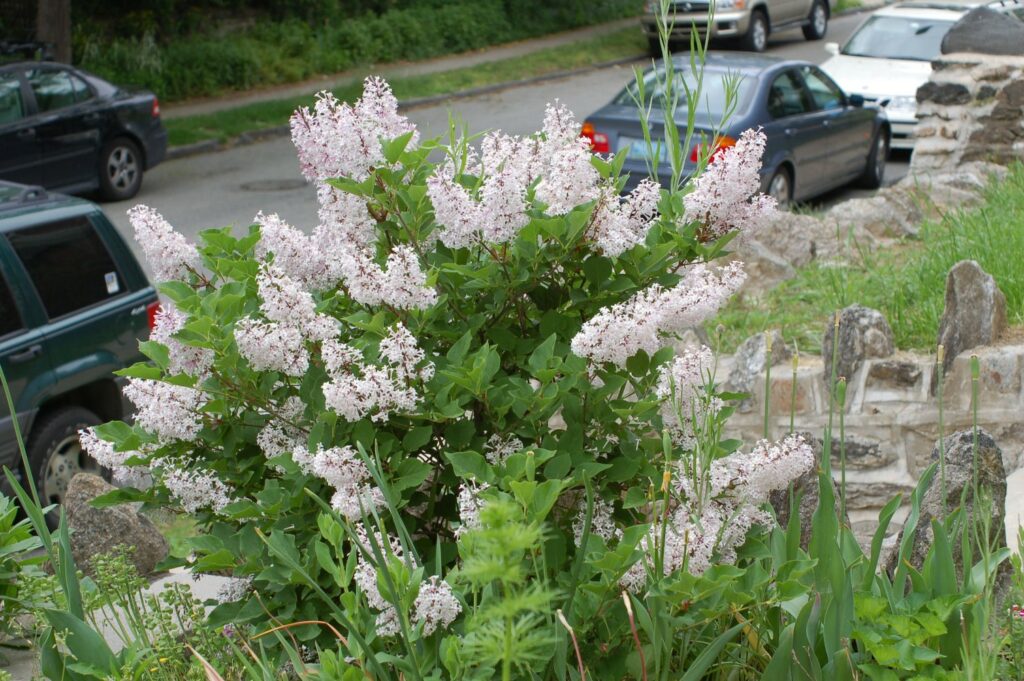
(97, 531)
(984, 31)
(863, 334)
(959, 475)
(893, 212)
(750, 362)
(975, 312)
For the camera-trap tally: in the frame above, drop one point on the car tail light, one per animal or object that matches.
(598, 140)
(721, 144)
(151, 311)
(156, 108)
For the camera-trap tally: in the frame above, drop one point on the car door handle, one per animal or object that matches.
(27, 133)
(790, 132)
(30, 353)
(826, 123)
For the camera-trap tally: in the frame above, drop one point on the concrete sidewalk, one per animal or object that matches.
(393, 70)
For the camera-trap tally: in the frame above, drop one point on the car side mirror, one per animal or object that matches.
(855, 100)
(832, 48)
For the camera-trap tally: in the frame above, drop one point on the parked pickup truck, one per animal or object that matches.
(74, 303)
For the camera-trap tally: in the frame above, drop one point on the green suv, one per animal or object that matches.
(74, 303)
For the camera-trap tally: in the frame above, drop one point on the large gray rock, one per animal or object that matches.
(751, 360)
(96, 531)
(863, 334)
(984, 31)
(975, 312)
(959, 477)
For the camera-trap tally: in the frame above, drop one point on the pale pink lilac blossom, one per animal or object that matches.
(271, 347)
(388, 623)
(652, 317)
(499, 447)
(602, 524)
(344, 470)
(436, 606)
(285, 301)
(168, 253)
(117, 463)
(470, 503)
(726, 196)
(195, 489)
(617, 226)
(569, 176)
(681, 389)
(171, 412)
(281, 435)
(183, 359)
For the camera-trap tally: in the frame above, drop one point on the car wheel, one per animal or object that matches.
(874, 171)
(56, 455)
(780, 187)
(817, 21)
(756, 39)
(120, 171)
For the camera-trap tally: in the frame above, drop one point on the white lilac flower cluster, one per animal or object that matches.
(116, 462)
(470, 503)
(683, 397)
(184, 359)
(358, 388)
(560, 159)
(169, 254)
(281, 435)
(602, 524)
(195, 489)
(343, 469)
(436, 606)
(726, 196)
(234, 589)
(499, 447)
(717, 509)
(653, 316)
(171, 412)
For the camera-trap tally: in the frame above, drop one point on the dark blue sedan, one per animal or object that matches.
(818, 137)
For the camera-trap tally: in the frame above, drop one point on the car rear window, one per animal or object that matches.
(10, 318)
(68, 264)
(11, 106)
(889, 37)
(714, 96)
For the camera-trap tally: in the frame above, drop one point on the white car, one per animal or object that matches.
(889, 56)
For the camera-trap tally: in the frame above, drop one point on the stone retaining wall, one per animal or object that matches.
(892, 417)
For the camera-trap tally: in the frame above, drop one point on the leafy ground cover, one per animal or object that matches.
(907, 283)
(227, 124)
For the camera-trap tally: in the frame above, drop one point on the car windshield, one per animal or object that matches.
(889, 37)
(714, 97)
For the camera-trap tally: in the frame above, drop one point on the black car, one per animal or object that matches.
(74, 304)
(818, 137)
(66, 129)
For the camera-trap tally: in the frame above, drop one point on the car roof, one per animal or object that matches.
(939, 9)
(739, 62)
(17, 200)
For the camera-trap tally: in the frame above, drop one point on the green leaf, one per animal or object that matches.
(394, 148)
(597, 269)
(156, 352)
(540, 357)
(116, 497)
(638, 363)
(417, 438)
(471, 465)
(457, 353)
(87, 646)
(410, 474)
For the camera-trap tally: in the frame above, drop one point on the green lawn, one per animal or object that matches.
(231, 123)
(906, 283)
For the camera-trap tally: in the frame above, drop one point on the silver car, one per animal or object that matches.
(748, 21)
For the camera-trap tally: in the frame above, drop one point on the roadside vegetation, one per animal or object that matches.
(197, 51)
(907, 284)
(225, 125)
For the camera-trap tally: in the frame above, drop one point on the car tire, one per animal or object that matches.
(817, 21)
(756, 38)
(120, 169)
(56, 455)
(780, 187)
(874, 170)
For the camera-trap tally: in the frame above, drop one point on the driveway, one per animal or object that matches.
(230, 187)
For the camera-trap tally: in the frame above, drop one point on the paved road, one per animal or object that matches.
(230, 187)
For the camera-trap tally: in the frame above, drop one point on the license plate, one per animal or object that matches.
(637, 150)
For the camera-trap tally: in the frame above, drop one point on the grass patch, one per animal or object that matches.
(907, 284)
(843, 5)
(224, 125)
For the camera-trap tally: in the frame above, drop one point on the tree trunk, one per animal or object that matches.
(53, 25)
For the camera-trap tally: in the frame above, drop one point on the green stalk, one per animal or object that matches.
(792, 396)
(975, 375)
(940, 358)
(767, 383)
(841, 399)
(21, 443)
(506, 661)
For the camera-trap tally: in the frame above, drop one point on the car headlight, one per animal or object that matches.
(730, 4)
(902, 103)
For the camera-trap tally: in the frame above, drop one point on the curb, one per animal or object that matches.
(263, 134)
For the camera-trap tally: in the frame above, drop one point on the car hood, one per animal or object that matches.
(878, 77)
